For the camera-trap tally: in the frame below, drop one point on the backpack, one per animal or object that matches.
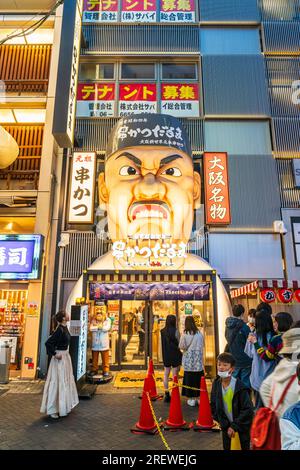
(265, 431)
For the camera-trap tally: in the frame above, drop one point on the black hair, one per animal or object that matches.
(264, 325)
(264, 306)
(170, 321)
(190, 325)
(58, 318)
(227, 358)
(298, 371)
(284, 320)
(252, 312)
(238, 310)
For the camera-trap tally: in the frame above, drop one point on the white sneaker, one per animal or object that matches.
(54, 416)
(191, 402)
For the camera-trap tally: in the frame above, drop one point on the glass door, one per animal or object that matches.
(160, 309)
(132, 340)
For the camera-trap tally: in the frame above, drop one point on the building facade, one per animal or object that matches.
(28, 69)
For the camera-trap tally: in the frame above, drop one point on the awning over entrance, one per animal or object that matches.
(264, 284)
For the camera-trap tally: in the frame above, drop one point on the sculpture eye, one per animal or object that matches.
(128, 171)
(172, 172)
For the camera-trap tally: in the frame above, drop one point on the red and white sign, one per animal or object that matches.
(285, 295)
(82, 193)
(100, 10)
(297, 295)
(267, 295)
(217, 200)
(141, 11)
(180, 99)
(137, 98)
(95, 100)
(177, 11)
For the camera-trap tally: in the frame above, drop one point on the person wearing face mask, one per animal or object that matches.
(274, 385)
(231, 404)
(251, 319)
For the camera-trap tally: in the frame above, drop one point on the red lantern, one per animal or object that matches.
(267, 295)
(285, 295)
(297, 294)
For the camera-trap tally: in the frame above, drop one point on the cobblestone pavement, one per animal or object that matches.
(101, 423)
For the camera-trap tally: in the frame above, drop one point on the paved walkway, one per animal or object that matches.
(102, 422)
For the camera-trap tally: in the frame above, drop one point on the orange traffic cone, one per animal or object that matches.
(151, 384)
(146, 424)
(175, 421)
(205, 420)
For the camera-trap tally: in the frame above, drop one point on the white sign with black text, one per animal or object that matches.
(81, 199)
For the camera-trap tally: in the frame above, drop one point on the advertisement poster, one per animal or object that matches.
(180, 99)
(81, 199)
(100, 11)
(95, 100)
(216, 187)
(142, 11)
(137, 98)
(177, 11)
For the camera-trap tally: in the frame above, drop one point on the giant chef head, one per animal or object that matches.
(149, 185)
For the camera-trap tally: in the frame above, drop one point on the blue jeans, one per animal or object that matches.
(243, 373)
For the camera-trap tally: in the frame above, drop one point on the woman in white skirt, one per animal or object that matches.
(60, 392)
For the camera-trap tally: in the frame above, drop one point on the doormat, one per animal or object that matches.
(130, 379)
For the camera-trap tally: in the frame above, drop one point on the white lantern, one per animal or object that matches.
(9, 149)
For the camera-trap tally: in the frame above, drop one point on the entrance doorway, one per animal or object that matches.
(136, 327)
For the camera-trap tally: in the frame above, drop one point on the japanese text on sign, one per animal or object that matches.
(95, 100)
(180, 99)
(143, 11)
(81, 202)
(177, 11)
(100, 10)
(216, 189)
(137, 98)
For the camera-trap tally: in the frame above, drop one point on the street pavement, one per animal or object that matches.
(100, 423)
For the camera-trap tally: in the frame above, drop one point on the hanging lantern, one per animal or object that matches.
(285, 295)
(9, 149)
(267, 295)
(297, 294)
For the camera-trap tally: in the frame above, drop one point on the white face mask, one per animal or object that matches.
(251, 320)
(224, 374)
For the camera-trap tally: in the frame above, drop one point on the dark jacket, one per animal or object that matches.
(58, 341)
(170, 351)
(242, 407)
(236, 334)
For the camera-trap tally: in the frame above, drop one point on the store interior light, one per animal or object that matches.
(41, 36)
(20, 116)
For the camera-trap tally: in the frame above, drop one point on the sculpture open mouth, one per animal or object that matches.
(148, 209)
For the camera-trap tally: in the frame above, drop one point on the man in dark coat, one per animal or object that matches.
(236, 334)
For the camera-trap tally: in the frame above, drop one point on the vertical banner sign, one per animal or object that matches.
(66, 88)
(138, 11)
(177, 11)
(100, 10)
(81, 200)
(296, 171)
(137, 98)
(180, 99)
(95, 100)
(217, 201)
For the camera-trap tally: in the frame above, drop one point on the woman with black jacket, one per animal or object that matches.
(170, 351)
(60, 393)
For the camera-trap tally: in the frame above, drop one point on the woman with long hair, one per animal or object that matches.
(192, 343)
(60, 394)
(263, 346)
(170, 351)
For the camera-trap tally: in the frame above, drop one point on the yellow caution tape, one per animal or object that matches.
(157, 423)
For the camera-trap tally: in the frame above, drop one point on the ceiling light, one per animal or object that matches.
(30, 115)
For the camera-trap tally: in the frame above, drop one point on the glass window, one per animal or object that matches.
(230, 41)
(105, 71)
(238, 137)
(88, 71)
(141, 71)
(178, 71)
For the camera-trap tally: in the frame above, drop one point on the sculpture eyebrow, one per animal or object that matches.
(169, 159)
(131, 157)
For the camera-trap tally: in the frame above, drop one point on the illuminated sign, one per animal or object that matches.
(177, 11)
(20, 256)
(217, 199)
(180, 99)
(100, 10)
(137, 98)
(95, 100)
(81, 201)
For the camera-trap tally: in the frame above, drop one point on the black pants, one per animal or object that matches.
(142, 341)
(244, 438)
